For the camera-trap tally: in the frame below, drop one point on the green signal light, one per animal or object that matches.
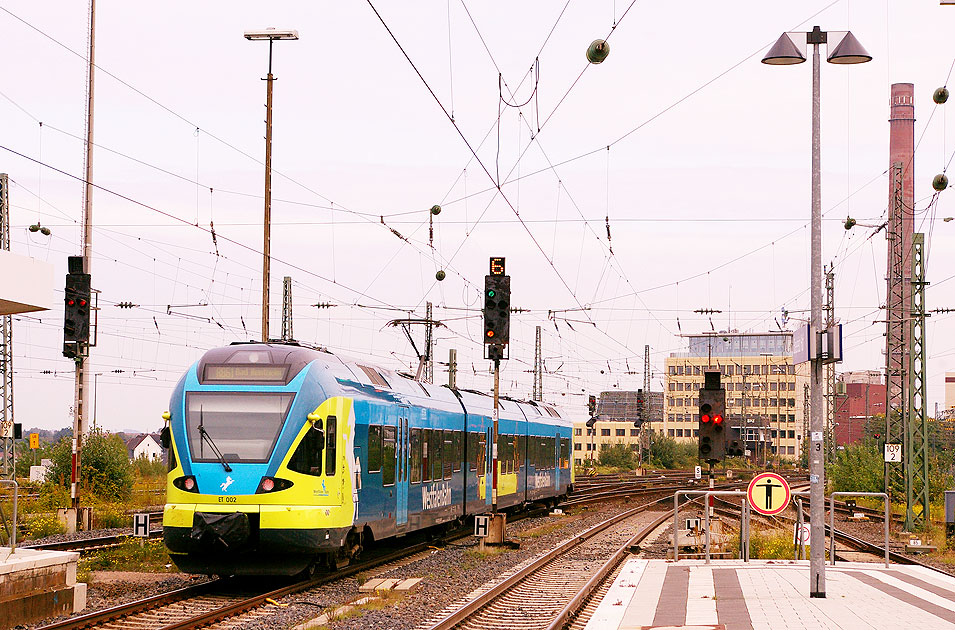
(491, 293)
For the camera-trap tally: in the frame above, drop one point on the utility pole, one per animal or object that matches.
(538, 391)
(287, 309)
(269, 35)
(7, 452)
(76, 517)
(805, 419)
(429, 346)
(646, 401)
(830, 311)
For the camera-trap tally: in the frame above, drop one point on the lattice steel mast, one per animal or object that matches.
(916, 445)
(830, 313)
(538, 391)
(287, 309)
(7, 470)
(896, 361)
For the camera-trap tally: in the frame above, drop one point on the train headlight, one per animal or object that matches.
(272, 484)
(187, 483)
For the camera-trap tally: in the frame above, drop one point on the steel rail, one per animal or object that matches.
(573, 607)
(468, 609)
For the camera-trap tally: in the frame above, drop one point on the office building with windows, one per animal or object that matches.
(765, 392)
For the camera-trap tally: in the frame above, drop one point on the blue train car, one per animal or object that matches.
(283, 456)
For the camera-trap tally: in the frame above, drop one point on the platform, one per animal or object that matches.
(772, 594)
(37, 585)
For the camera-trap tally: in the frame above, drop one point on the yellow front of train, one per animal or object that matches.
(261, 474)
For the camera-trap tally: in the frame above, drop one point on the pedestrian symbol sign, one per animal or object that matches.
(768, 493)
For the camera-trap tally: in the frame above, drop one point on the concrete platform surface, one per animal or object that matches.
(772, 594)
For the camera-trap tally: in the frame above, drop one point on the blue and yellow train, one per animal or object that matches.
(284, 457)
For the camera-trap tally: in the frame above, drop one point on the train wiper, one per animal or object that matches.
(205, 437)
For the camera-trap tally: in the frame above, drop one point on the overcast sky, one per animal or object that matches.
(695, 154)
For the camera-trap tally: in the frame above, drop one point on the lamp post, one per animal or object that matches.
(270, 35)
(786, 52)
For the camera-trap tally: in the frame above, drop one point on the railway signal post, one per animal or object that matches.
(712, 423)
(497, 316)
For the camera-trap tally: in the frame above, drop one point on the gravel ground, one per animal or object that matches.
(449, 574)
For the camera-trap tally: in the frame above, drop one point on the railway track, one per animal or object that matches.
(550, 590)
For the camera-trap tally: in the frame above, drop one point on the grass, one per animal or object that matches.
(382, 599)
(541, 530)
(488, 553)
(148, 556)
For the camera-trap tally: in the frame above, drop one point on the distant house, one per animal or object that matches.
(144, 445)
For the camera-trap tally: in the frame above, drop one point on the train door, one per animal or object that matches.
(490, 447)
(557, 461)
(401, 478)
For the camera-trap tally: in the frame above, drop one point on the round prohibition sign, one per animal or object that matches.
(768, 493)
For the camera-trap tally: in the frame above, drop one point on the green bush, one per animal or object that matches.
(618, 455)
(145, 468)
(110, 515)
(665, 452)
(43, 525)
(105, 470)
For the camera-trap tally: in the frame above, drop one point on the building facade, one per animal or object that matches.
(860, 396)
(765, 392)
(616, 412)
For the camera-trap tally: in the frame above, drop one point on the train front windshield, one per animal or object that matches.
(243, 426)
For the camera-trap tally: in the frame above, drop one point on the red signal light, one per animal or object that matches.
(705, 418)
(82, 302)
(71, 302)
(717, 419)
(490, 334)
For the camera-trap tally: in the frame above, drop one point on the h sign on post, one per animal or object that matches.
(141, 525)
(482, 525)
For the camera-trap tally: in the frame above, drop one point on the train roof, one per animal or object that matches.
(277, 363)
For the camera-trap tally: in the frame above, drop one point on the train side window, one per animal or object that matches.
(331, 440)
(564, 452)
(447, 450)
(472, 450)
(428, 454)
(482, 454)
(551, 453)
(388, 457)
(507, 462)
(307, 458)
(521, 450)
(436, 440)
(415, 455)
(458, 450)
(374, 448)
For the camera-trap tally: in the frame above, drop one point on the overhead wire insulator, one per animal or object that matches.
(597, 51)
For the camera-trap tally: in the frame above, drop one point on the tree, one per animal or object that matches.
(665, 452)
(105, 470)
(618, 455)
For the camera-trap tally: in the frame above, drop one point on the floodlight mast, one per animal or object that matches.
(789, 50)
(270, 35)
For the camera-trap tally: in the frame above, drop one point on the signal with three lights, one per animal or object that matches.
(497, 309)
(76, 309)
(712, 445)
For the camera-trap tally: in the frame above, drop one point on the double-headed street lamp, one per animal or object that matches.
(270, 35)
(789, 50)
